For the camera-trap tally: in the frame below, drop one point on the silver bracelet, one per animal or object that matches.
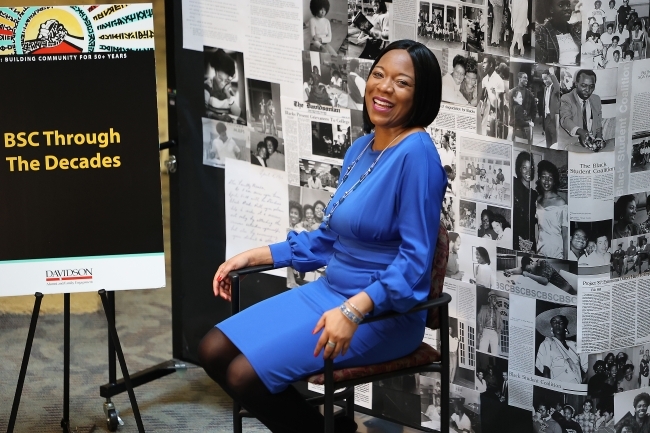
(349, 314)
(354, 307)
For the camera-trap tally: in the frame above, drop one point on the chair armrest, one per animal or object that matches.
(251, 270)
(444, 299)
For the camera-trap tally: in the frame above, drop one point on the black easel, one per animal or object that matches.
(65, 421)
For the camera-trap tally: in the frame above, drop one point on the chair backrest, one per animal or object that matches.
(438, 271)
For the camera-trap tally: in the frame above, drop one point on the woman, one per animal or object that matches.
(552, 213)
(541, 272)
(468, 87)
(259, 158)
(295, 214)
(600, 256)
(501, 227)
(319, 206)
(525, 201)
(483, 274)
(481, 385)
(379, 32)
(557, 40)
(485, 230)
(391, 244)
(497, 13)
(308, 222)
(558, 358)
(624, 214)
(639, 422)
(433, 412)
(519, 25)
(637, 37)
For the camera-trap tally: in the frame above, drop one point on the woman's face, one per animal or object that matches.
(518, 98)
(322, 12)
(485, 221)
(546, 180)
(479, 259)
(480, 375)
(309, 214)
(602, 244)
(561, 10)
(390, 90)
(294, 216)
(471, 80)
(595, 28)
(456, 246)
(641, 408)
(496, 226)
(375, 7)
(262, 152)
(269, 147)
(558, 326)
(630, 212)
(318, 210)
(613, 370)
(609, 358)
(458, 74)
(525, 171)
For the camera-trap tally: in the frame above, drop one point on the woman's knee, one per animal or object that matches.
(216, 348)
(241, 377)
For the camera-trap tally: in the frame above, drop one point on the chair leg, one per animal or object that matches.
(236, 418)
(444, 371)
(329, 396)
(349, 406)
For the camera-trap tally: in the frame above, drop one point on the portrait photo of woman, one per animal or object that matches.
(525, 203)
(624, 217)
(552, 213)
(557, 37)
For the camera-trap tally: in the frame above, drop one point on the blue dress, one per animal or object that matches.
(381, 240)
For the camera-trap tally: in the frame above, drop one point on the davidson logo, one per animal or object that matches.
(69, 274)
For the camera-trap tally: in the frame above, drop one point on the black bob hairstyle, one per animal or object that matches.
(428, 84)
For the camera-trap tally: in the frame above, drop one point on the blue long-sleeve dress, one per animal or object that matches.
(381, 240)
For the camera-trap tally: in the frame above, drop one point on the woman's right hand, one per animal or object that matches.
(221, 282)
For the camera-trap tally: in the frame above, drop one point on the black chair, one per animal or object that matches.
(423, 359)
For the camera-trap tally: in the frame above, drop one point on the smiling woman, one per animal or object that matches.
(377, 238)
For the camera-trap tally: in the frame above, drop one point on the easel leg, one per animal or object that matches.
(120, 356)
(23, 367)
(65, 421)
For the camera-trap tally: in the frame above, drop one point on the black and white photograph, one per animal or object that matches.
(452, 24)
(494, 223)
(550, 220)
(492, 377)
(223, 140)
(368, 28)
(484, 171)
(356, 125)
(492, 332)
(267, 151)
(224, 87)
(534, 99)
(306, 212)
(629, 256)
(631, 411)
(477, 261)
(616, 371)
(460, 76)
(510, 28)
(398, 399)
(610, 27)
(358, 71)
(640, 152)
(536, 273)
(631, 215)
(463, 334)
(590, 245)
(467, 217)
(587, 110)
(319, 175)
(324, 26)
(558, 32)
(430, 402)
(524, 200)
(465, 409)
(329, 140)
(325, 79)
(448, 213)
(563, 412)
(445, 142)
(493, 109)
(556, 355)
(265, 113)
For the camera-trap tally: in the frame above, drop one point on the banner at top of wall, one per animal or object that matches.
(79, 171)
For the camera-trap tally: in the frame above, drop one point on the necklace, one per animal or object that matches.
(326, 218)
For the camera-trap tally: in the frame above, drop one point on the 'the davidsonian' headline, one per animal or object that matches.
(17, 163)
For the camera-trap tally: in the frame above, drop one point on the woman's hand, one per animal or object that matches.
(221, 283)
(336, 329)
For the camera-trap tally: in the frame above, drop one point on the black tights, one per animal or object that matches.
(284, 412)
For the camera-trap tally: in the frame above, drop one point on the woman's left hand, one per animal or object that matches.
(336, 329)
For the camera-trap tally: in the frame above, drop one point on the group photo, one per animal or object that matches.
(590, 245)
(640, 152)
(484, 177)
(460, 77)
(616, 371)
(325, 79)
(265, 114)
(630, 256)
(319, 175)
(368, 28)
(267, 151)
(452, 24)
(555, 411)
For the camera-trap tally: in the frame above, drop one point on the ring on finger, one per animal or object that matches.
(331, 344)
